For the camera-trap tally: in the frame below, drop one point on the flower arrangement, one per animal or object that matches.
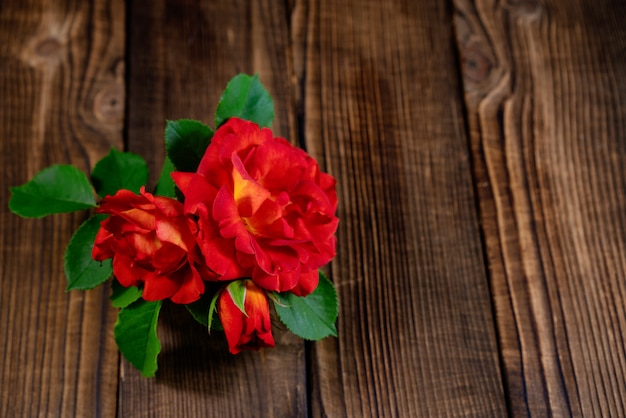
(240, 220)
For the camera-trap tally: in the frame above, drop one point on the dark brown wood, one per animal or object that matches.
(545, 85)
(480, 152)
(383, 113)
(62, 87)
(182, 54)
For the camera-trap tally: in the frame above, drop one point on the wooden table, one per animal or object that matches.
(480, 150)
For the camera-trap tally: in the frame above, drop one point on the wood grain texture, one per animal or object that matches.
(383, 114)
(442, 121)
(62, 84)
(181, 56)
(545, 87)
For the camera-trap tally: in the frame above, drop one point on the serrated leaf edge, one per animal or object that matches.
(331, 327)
(252, 78)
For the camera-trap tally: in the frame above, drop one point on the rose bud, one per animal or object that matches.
(152, 243)
(250, 330)
(264, 209)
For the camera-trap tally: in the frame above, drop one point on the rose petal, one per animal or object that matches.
(101, 247)
(168, 259)
(248, 194)
(308, 283)
(191, 286)
(143, 246)
(277, 164)
(182, 180)
(159, 287)
(124, 271)
(232, 320)
(229, 222)
(199, 192)
(175, 231)
(219, 252)
(249, 331)
(268, 221)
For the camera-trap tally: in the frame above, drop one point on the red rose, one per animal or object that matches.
(264, 209)
(250, 330)
(151, 242)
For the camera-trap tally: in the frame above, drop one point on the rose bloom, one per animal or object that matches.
(152, 243)
(246, 331)
(264, 209)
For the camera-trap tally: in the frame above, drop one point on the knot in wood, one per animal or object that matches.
(475, 63)
(109, 103)
(48, 48)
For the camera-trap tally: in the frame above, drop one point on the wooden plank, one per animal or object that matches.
(383, 113)
(182, 54)
(545, 86)
(62, 84)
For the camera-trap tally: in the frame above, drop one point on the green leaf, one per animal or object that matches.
(237, 291)
(136, 335)
(214, 319)
(56, 189)
(165, 186)
(246, 98)
(186, 141)
(122, 296)
(200, 309)
(274, 297)
(119, 170)
(311, 317)
(204, 309)
(82, 271)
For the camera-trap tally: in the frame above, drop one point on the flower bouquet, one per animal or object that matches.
(240, 220)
